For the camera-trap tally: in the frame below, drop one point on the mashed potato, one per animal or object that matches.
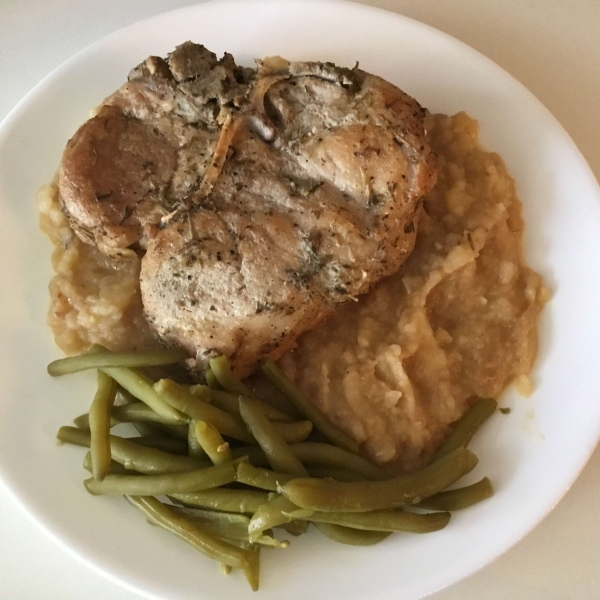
(398, 367)
(459, 318)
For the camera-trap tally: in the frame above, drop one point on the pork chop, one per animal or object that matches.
(305, 193)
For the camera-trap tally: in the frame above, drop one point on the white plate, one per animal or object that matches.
(533, 455)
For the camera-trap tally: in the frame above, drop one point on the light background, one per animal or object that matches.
(553, 47)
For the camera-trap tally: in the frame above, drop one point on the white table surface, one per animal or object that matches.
(553, 47)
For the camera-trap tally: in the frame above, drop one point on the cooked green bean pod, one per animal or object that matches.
(162, 442)
(194, 447)
(272, 514)
(260, 478)
(212, 443)
(294, 433)
(229, 402)
(83, 422)
(316, 453)
(180, 432)
(277, 451)
(99, 420)
(383, 520)
(72, 435)
(254, 453)
(139, 385)
(252, 571)
(182, 400)
(114, 468)
(235, 501)
(363, 496)
(158, 485)
(140, 412)
(152, 431)
(152, 461)
(163, 516)
(294, 395)
(211, 380)
(227, 380)
(468, 425)
(232, 526)
(352, 537)
(104, 358)
(333, 473)
(459, 498)
(294, 528)
(136, 457)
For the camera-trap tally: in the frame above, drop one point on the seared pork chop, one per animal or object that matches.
(147, 149)
(305, 193)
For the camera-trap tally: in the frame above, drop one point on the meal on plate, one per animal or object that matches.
(310, 230)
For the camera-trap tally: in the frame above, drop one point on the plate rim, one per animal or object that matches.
(82, 54)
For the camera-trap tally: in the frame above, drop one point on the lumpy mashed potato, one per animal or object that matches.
(398, 367)
(93, 299)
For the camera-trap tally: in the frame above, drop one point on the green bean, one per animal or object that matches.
(140, 412)
(468, 425)
(294, 433)
(100, 360)
(222, 524)
(139, 386)
(227, 380)
(271, 514)
(194, 447)
(99, 419)
(352, 537)
(316, 453)
(260, 478)
(179, 432)
(332, 473)
(229, 402)
(460, 497)
(158, 485)
(225, 525)
(83, 422)
(254, 453)
(162, 442)
(277, 451)
(149, 460)
(252, 571)
(134, 412)
(114, 468)
(72, 435)
(182, 400)
(383, 520)
(294, 528)
(124, 397)
(152, 431)
(211, 380)
(363, 496)
(320, 455)
(212, 443)
(152, 437)
(162, 515)
(135, 457)
(331, 432)
(235, 501)
(226, 423)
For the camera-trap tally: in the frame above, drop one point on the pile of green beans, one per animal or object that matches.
(235, 468)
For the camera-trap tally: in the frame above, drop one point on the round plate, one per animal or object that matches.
(532, 455)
